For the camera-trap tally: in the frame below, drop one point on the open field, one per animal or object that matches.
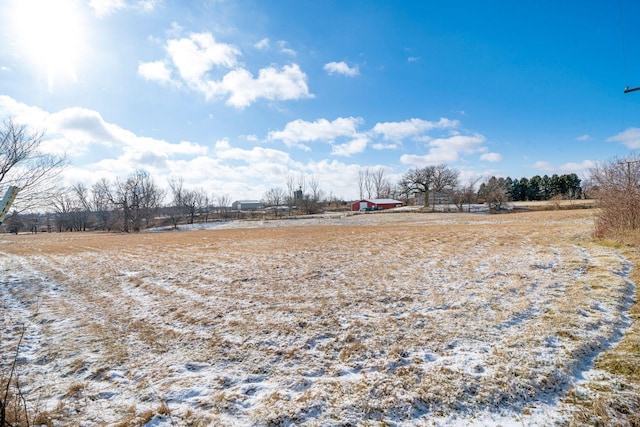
(377, 319)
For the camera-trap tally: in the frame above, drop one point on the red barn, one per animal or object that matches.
(375, 204)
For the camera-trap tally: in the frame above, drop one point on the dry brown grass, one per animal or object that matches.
(613, 397)
(369, 318)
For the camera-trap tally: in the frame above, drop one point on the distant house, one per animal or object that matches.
(246, 205)
(375, 204)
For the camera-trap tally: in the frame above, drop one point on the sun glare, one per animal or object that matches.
(50, 34)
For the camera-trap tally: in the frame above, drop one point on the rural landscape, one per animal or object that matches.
(291, 213)
(370, 319)
(509, 302)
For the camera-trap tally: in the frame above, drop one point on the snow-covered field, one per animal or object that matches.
(377, 319)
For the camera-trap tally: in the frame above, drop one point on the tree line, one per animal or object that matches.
(125, 204)
(566, 186)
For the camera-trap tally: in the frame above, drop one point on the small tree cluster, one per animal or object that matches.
(429, 181)
(124, 204)
(535, 188)
(616, 187)
(187, 205)
(373, 184)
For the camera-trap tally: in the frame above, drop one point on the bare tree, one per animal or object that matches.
(206, 203)
(273, 198)
(14, 222)
(444, 180)
(404, 189)
(23, 165)
(290, 193)
(334, 200)
(67, 208)
(381, 186)
(495, 195)
(372, 183)
(176, 210)
(137, 198)
(616, 187)
(194, 201)
(368, 183)
(101, 206)
(314, 199)
(465, 194)
(419, 180)
(224, 201)
(83, 214)
(363, 178)
(302, 183)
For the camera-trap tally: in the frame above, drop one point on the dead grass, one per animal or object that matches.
(378, 318)
(613, 397)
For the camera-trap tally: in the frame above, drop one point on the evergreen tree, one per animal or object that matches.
(555, 185)
(524, 189)
(572, 184)
(533, 190)
(545, 188)
(515, 191)
(508, 186)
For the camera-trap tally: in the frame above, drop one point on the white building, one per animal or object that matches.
(246, 205)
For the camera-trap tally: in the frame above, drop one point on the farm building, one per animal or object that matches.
(375, 204)
(246, 205)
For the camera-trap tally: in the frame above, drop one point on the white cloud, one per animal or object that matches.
(335, 176)
(104, 8)
(397, 131)
(81, 132)
(243, 173)
(432, 158)
(630, 138)
(446, 150)
(581, 168)
(299, 131)
(148, 5)
(262, 44)
(345, 138)
(284, 48)
(82, 127)
(381, 146)
(491, 157)
(341, 68)
(196, 55)
(413, 59)
(354, 146)
(213, 69)
(21, 113)
(288, 83)
(459, 143)
(584, 137)
(543, 166)
(156, 71)
(255, 155)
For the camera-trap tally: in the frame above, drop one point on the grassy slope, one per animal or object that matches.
(329, 259)
(613, 397)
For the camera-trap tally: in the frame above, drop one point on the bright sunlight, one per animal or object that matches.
(51, 35)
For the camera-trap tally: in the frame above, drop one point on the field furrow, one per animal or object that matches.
(396, 318)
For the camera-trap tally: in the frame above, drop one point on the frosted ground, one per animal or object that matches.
(378, 319)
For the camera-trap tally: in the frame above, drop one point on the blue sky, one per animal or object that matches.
(236, 96)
